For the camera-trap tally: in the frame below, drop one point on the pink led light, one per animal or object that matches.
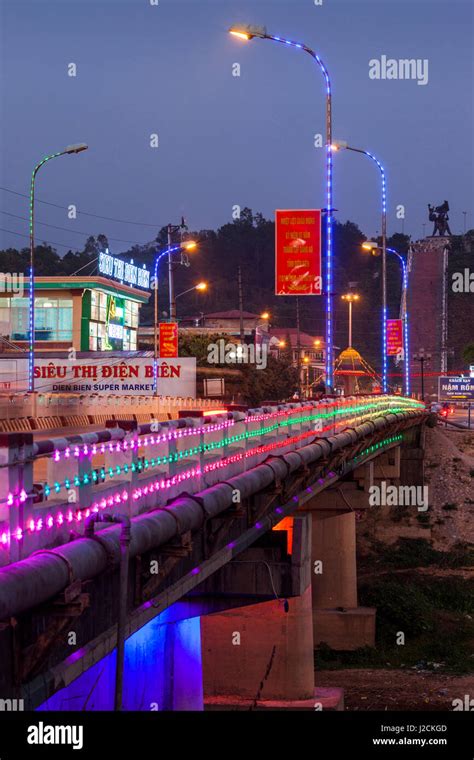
(4, 538)
(49, 521)
(10, 500)
(23, 495)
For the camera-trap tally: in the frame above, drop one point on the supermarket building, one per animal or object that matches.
(92, 313)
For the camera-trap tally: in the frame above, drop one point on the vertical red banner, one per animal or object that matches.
(298, 252)
(168, 340)
(394, 337)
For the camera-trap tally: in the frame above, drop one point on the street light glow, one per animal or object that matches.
(265, 315)
(369, 245)
(189, 245)
(350, 297)
(201, 286)
(248, 31)
(241, 35)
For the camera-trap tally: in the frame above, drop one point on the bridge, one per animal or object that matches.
(228, 553)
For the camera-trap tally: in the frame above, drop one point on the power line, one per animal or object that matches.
(21, 234)
(66, 229)
(86, 213)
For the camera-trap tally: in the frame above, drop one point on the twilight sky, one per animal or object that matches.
(226, 140)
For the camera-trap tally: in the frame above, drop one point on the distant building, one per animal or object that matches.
(310, 348)
(222, 322)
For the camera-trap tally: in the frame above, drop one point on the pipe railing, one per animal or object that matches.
(49, 488)
(46, 573)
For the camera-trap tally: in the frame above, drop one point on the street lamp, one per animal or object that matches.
(201, 286)
(187, 246)
(77, 148)
(422, 357)
(350, 298)
(342, 145)
(371, 245)
(248, 32)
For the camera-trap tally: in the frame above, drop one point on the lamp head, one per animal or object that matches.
(77, 148)
(201, 286)
(189, 245)
(248, 31)
(338, 145)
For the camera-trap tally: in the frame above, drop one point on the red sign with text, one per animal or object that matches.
(168, 340)
(394, 337)
(298, 252)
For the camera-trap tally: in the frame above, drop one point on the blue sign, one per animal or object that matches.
(456, 388)
(123, 271)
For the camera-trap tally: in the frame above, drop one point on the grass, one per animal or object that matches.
(431, 612)
(418, 552)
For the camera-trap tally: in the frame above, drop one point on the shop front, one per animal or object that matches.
(82, 313)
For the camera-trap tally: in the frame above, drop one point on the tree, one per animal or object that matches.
(468, 353)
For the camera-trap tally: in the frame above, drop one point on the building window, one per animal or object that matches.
(53, 319)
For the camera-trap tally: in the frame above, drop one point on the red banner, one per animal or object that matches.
(298, 252)
(394, 337)
(168, 340)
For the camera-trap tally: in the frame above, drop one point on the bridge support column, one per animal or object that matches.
(262, 656)
(337, 619)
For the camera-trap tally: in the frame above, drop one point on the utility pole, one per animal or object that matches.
(298, 345)
(172, 229)
(241, 308)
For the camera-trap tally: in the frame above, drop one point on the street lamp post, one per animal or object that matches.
(78, 148)
(372, 246)
(422, 357)
(187, 246)
(350, 298)
(341, 144)
(248, 32)
(201, 287)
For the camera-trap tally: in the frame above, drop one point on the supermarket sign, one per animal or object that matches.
(456, 388)
(298, 252)
(123, 271)
(176, 377)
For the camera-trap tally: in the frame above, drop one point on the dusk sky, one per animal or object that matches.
(226, 140)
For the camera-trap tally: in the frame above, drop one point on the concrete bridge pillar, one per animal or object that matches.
(337, 619)
(334, 576)
(259, 652)
(262, 655)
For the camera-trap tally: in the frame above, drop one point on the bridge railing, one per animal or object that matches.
(49, 487)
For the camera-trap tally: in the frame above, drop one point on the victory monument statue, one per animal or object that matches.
(439, 215)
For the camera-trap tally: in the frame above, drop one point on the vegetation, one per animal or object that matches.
(433, 613)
